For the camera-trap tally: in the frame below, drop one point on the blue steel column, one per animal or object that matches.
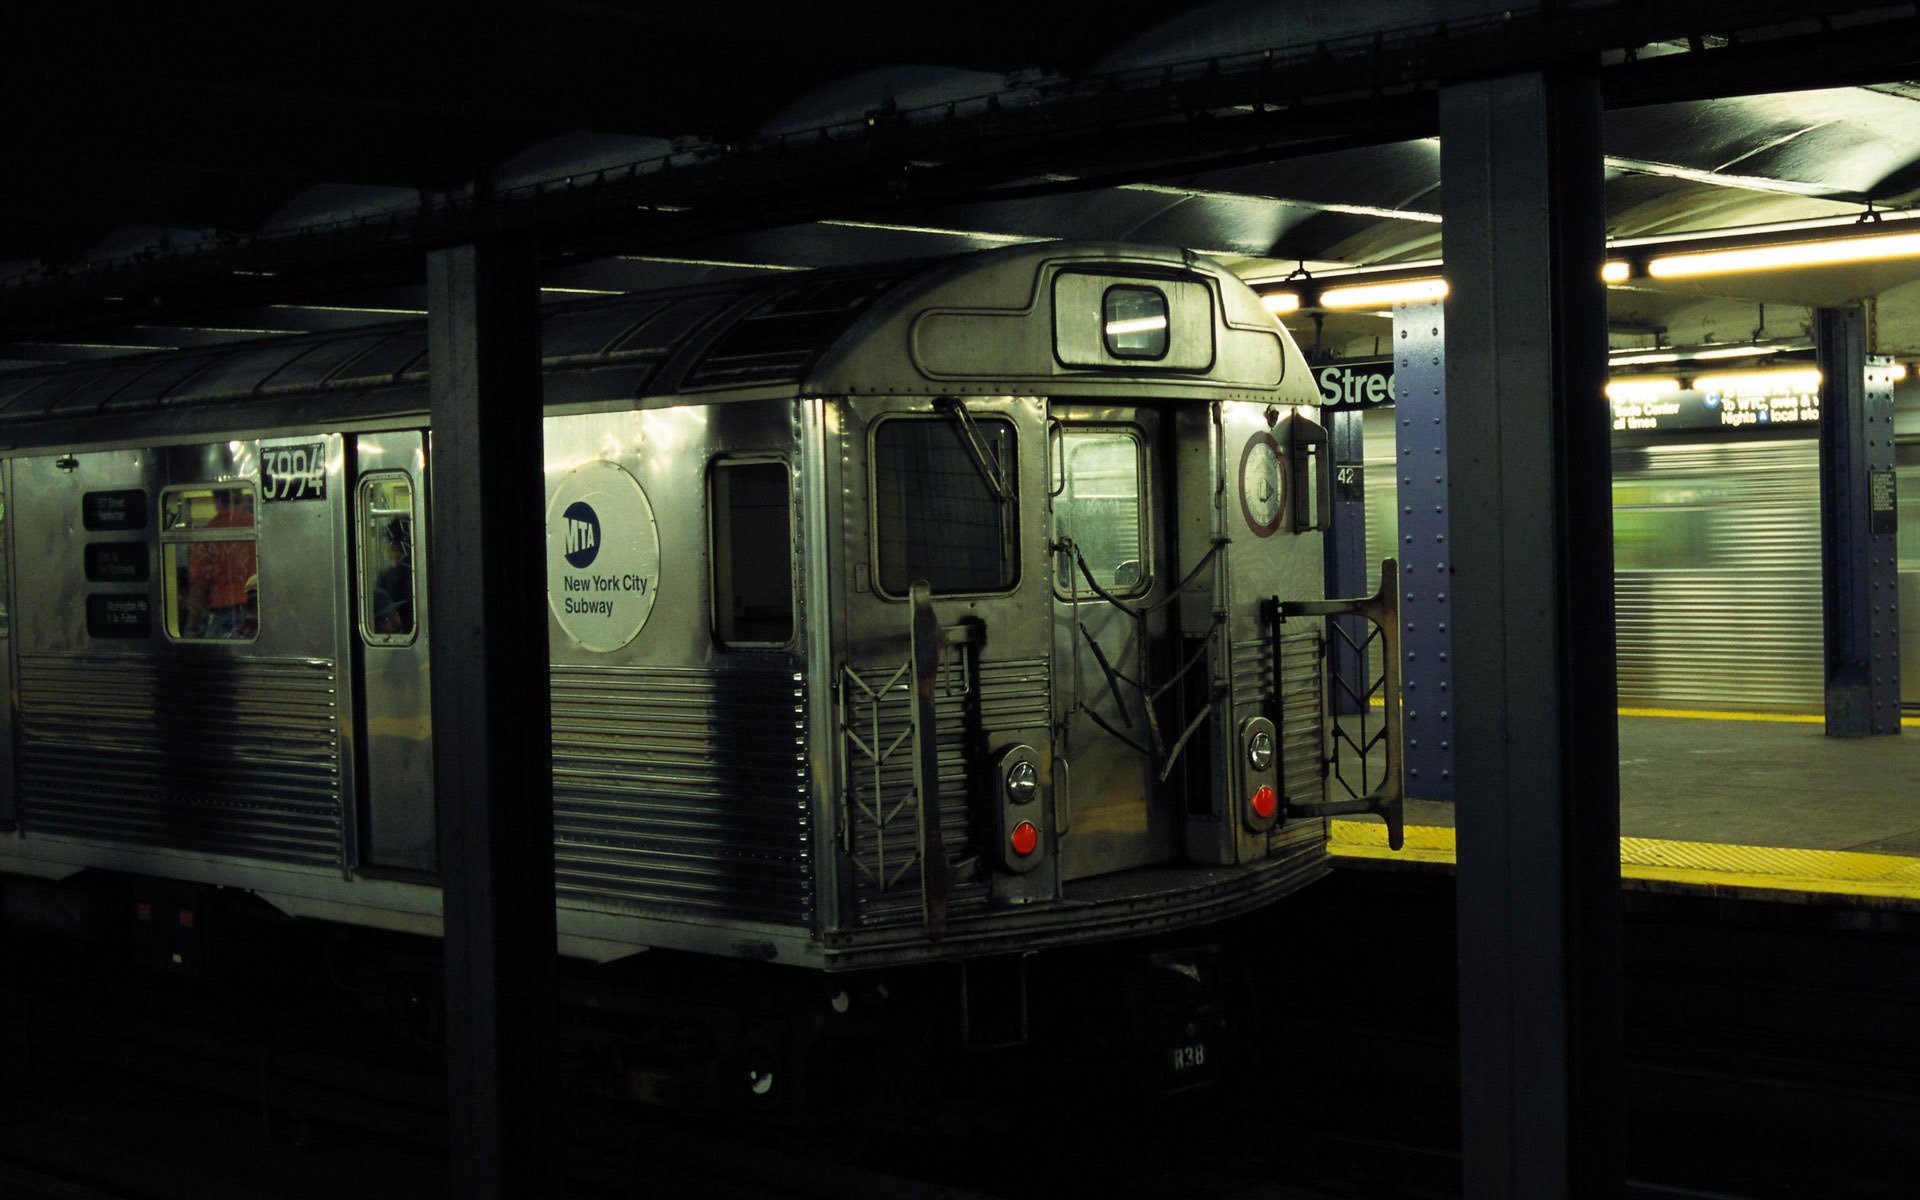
(1420, 455)
(1857, 545)
(1346, 556)
(492, 762)
(1536, 764)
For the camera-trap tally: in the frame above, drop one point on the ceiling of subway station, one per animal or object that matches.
(161, 141)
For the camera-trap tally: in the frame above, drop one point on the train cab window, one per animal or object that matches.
(751, 510)
(211, 563)
(1102, 507)
(387, 577)
(1134, 322)
(940, 512)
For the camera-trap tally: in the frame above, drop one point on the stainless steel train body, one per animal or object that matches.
(896, 613)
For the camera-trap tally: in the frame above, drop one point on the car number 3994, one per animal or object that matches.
(1186, 1058)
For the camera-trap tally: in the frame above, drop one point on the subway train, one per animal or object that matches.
(944, 611)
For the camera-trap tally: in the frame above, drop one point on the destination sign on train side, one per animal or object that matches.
(1672, 411)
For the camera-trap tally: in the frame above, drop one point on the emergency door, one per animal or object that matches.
(1112, 652)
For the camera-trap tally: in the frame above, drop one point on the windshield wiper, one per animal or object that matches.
(983, 456)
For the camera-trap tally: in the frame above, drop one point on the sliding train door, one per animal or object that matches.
(395, 711)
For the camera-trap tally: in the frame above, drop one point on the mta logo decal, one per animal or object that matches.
(583, 533)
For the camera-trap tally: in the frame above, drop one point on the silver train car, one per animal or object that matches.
(914, 612)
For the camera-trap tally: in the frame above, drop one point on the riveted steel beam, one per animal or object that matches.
(1858, 558)
(1425, 549)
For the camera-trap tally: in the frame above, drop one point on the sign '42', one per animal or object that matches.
(296, 472)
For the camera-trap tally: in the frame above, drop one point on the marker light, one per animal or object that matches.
(1263, 802)
(1023, 782)
(1024, 839)
(1281, 302)
(1375, 295)
(1260, 750)
(1615, 271)
(1788, 254)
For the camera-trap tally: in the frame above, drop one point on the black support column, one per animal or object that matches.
(1858, 557)
(492, 749)
(1536, 750)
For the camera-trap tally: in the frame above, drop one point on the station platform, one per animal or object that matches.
(1732, 804)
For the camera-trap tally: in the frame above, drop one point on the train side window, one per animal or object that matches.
(750, 509)
(211, 571)
(1103, 508)
(937, 516)
(387, 577)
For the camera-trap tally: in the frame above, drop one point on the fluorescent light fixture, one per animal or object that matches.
(1786, 254)
(1647, 358)
(1136, 325)
(1616, 271)
(1899, 372)
(1790, 381)
(1641, 387)
(1376, 295)
(1281, 302)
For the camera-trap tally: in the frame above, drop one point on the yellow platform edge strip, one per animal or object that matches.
(1704, 714)
(1693, 864)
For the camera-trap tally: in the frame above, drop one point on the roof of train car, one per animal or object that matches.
(749, 338)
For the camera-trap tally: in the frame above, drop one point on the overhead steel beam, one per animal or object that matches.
(1536, 763)
(1120, 128)
(492, 754)
(1858, 558)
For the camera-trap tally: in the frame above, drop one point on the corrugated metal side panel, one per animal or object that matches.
(1004, 698)
(1717, 575)
(1302, 709)
(234, 756)
(682, 789)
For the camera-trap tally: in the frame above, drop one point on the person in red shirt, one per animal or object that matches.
(218, 573)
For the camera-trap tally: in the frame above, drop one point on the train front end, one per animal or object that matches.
(1076, 588)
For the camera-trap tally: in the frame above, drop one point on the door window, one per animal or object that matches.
(1103, 509)
(387, 578)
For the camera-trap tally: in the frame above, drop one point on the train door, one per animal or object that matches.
(1115, 638)
(396, 818)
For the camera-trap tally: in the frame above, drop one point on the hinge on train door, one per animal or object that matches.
(1382, 609)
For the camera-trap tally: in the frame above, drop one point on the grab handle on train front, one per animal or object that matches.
(1386, 801)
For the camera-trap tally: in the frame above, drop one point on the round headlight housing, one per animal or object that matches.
(1260, 750)
(1022, 781)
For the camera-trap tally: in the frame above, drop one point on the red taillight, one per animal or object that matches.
(1024, 839)
(1264, 803)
